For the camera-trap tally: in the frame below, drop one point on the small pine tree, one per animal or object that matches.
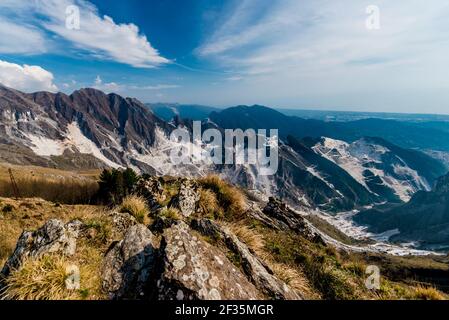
(115, 185)
(130, 178)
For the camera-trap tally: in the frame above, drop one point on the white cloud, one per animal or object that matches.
(316, 35)
(155, 87)
(26, 78)
(107, 87)
(122, 88)
(234, 78)
(21, 39)
(99, 36)
(319, 53)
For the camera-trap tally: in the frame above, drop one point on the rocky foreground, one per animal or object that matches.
(173, 262)
(182, 250)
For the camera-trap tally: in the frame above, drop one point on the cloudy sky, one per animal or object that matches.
(314, 54)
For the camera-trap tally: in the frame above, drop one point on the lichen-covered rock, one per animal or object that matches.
(187, 199)
(287, 218)
(257, 271)
(53, 237)
(152, 190)
(122, 221)
(194, 269)
(129, 265)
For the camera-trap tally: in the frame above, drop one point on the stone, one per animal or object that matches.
(129, 266)
(187, 199)
(256, 270)
(122, 221)
(194, 269)
(286, 217)
(53, 237)
(152, 190)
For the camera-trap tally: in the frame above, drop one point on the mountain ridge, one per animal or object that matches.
(107, 130)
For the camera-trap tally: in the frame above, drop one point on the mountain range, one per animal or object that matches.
(423, 136)
(329, 166)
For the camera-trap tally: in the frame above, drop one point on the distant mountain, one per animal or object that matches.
(414, 135)
(87, 123)
(260, 117)
(424, 219)
(91, 129)
(167, 111)
(391, 172)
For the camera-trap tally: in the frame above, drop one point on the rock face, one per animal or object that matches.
(118, 126)
(285, 218)
(53, 237)
(256, 270)
(187, 199)
(129, 266)
(193, 269)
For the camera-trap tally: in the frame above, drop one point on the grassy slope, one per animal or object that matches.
(316, 271)
(55, 185)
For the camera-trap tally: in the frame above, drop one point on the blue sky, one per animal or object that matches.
(281, 53)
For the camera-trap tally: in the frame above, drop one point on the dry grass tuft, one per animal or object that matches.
(209, 205)
(170, 213)
(295, 279)
(39, 279)
(292, 276)
(7, 242)
(31, 214)
(100, 230)
(249, 236)
(44, 278)
(426, 293)
(230, 198)
(137, 207)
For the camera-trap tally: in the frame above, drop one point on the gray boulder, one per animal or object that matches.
(152, 190)
(53, 237)
(256, 270)
(129, 266)
(193, 269)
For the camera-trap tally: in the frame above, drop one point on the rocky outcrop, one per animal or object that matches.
(187, 199)
(152, 190)
(194, 269)
(53, 237)
(129, 265)
(256, 270)
(122, 221)
(176, 262)
(285, 218)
